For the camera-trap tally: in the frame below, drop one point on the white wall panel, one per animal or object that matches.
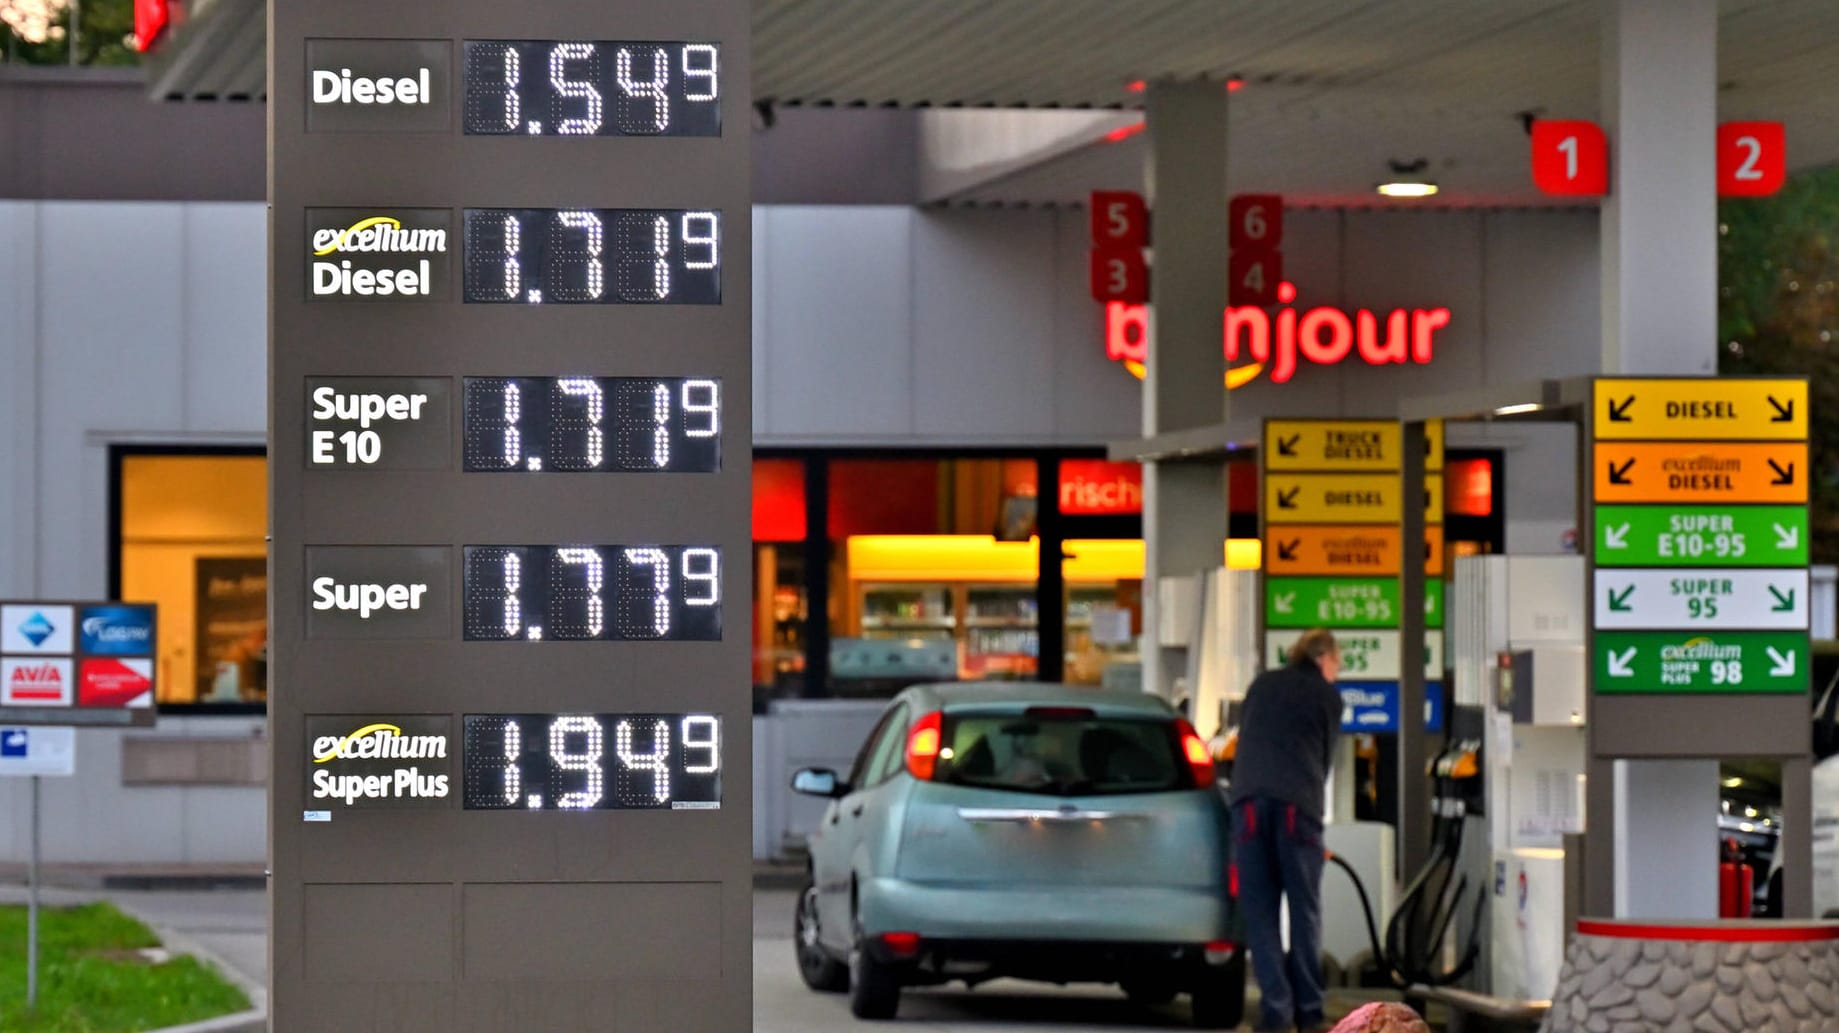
(1417, 260)
(112, 358)
(1095, 399)
(983, 326)
(223, 318)
(839, 323)
(1541, 284)
(18, 395)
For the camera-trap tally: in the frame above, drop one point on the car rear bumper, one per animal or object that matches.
(1116, 915)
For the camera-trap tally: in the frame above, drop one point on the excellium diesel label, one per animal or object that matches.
(373, 761)
(366, 254)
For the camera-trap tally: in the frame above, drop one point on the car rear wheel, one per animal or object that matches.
(1219, 1000)
(874, 987)
(821, 972)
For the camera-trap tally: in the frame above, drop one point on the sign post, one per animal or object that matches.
(1698, 551)
(1331, 519)
(509, 418)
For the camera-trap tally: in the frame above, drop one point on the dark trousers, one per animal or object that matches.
(1277, 852)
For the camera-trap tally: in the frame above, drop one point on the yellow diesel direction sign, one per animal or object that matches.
(1337, 498)
(1368, 446)
(1705, 409)
(1354, 446)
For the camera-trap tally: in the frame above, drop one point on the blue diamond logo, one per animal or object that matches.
(36, 629)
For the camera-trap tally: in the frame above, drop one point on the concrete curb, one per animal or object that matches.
(253, 1020)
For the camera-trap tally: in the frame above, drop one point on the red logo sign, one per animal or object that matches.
(1257, 222)
(1119, 219)
(1570, 158)
(34, 683)
(1119, 274)
(1752, 158)
(1276, 342)
(116, 683)
(1095, 487)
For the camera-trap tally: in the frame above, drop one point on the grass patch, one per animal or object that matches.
(92, 980)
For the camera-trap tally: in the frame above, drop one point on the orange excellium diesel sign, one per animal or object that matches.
(1275, 342)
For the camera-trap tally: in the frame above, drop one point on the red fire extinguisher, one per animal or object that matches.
(1736, 883)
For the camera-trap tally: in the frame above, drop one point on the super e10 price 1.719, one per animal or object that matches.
(594, 424)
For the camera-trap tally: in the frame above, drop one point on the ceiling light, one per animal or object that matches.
(1515, 410)
(1408, 188)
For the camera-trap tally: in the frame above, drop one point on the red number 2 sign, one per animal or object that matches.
(1752, 158)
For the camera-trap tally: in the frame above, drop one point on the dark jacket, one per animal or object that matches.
(1290, 722)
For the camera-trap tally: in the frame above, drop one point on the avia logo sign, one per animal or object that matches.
(34, 683)
(1274, 342)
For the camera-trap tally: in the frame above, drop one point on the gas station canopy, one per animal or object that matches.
(1328, 92)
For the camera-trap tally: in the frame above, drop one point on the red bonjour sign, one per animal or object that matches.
(1570, 158)
(1119, 219)
(116, 683)
(1752, 158)
(1095, 487)
(1276, 343)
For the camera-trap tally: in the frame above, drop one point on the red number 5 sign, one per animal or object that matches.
(1752, 158)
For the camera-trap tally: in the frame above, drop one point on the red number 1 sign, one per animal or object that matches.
(1570, 158)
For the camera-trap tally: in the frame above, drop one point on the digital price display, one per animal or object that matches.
(573, 593)
(547, 88)
(586, 762)
(615, 424)
(593, 256)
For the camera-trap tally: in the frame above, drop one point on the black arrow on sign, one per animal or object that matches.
(1287, 499)
(1619, 475)
(1783, 477)
(1287, 446)
(1618, 411)
(1287, 550)
(1783, 413)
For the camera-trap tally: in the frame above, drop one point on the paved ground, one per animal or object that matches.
(232, 924)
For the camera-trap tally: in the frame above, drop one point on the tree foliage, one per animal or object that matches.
(1778, 313)
(105, 30)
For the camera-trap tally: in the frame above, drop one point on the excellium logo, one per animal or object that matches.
(368, 255)
(1274, 341)
(362, 762)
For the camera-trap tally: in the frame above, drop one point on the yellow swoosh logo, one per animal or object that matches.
(1236, 377)
(375, 220)
(359, 734)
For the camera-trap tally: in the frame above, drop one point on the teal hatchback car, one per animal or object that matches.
(1042, 832)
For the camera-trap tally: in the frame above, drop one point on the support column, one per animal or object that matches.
(1184, 504)
(1659, 303)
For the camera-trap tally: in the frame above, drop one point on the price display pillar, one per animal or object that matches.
(509, 481)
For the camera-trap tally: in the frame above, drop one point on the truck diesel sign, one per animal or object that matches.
(510, 379)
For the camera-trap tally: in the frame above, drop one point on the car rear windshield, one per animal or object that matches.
(1056, 752)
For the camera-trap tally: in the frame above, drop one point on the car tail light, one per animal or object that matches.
(1232, 880)
(1200, 763)
(1219, 952)
(923, 743)
(901, 945)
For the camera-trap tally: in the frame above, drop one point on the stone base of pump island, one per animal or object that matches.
(1740, 977)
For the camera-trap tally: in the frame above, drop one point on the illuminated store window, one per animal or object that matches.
(190, 537)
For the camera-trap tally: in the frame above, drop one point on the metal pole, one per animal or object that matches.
(76, 11)
(32, 909)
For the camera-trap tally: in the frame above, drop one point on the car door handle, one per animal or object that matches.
(858, 811)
